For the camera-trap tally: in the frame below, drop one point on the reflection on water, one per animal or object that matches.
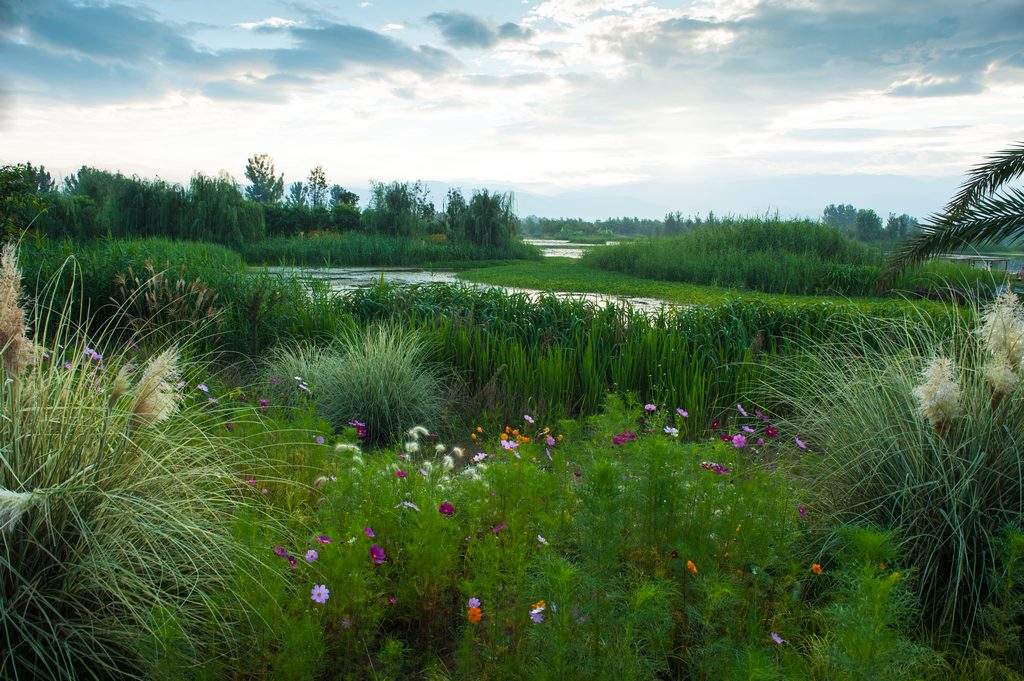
(343, 279)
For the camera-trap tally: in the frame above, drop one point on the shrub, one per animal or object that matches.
(380, 377)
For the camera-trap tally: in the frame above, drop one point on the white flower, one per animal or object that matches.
(1001, 378)
(674, 432)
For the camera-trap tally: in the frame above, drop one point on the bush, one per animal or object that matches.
(379, 377)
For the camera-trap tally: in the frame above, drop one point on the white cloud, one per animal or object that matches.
(270, 23)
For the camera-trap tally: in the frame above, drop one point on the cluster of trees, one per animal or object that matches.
(866, 225)
(574, 228)
(94, 203)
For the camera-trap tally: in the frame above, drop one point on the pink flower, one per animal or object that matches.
(771, 431)
(799, 443)
(368, 532)
(377, 554)
(323, 539)
(650, 407)
(550, 442)
(229, 425)
(528, 418)
(320, 593)
(742, 410)
(760, 442)
(748, 429)
(499, 527)
(682, 412)
(401, 474)
(280, 551)
(446, 509)
(739, 441)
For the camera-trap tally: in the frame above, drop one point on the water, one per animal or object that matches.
(343, 279)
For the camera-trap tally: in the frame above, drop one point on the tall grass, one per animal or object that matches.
(115, 508)
(939, 463)
(358, 249)
(776, 256)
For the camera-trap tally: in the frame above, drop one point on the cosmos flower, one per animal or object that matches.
(739, 441)
(473, 603)
(323, 539)
(674, 432)
(682, 412)
(320, 593)
(528, 419)
(778, 639)
(742, 410)
(650, 407)
(799, 442)
(368, 531)
(771, 431)
(311, 555)
(377, 554)
(446, 509)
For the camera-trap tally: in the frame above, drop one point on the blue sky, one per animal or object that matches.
(584, 107)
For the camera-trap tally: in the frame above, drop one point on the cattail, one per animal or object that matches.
(1002, 330)
(13, 505)
(155, 394)
(939, 396)
(16, 350)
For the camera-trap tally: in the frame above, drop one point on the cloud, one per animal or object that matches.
(268, 24)
(462, 30)
(63, 49)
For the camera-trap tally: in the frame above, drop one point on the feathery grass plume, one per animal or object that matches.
(154, 396)
(1001, 378)
(939, 395)
(122, 383)
(1002, 329)
(15, 348)
(12, 506)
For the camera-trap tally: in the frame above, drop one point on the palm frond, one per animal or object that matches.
(990, 219)
(986, 177)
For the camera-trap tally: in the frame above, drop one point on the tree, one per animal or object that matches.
(19, 201)
(265, 186)
(44, 184)
(843, 216)
(317, 187)
(297, 194)
(340, 195)
(868, 226)
(898, 228)
(398, 208)
(984, 211)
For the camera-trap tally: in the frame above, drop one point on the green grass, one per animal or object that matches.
(576, 276)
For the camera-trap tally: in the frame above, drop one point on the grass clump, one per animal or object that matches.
(923, 434)
(115, 508)
(380, 376)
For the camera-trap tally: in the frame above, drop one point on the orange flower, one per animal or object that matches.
(473, 436)
(737, 528)
(691, 567)
(539, 605)
(882, 566)
(479, 429)
(504, 436)
(816, 569)
(474, 615)
(515, 431)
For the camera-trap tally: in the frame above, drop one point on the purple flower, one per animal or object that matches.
(550, 442)
(473, 603)
(479, 457)
(742, 410)
(401, 474)
(203, 387)
(528, 418)
(499, 527)
(311, 555)
(303, 386)
(346, 623)
(391, 599)
(213, 400)
(650, 407)
(377, 554)
(802, 510)
(682, 412)
(748, 429)
(323, 539)
(760, 442)
(280, 552)
(509, 444)
(368, 532)
(771, 431)
(446, 509)
(799, 443)
(409, 504)
(320, 593)
(778, 639)
(319, 439)
(292, 562)
(739, 441)
(181, 384)
(229, 425)
(264, 404)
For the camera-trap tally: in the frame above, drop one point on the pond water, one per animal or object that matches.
(343, 279)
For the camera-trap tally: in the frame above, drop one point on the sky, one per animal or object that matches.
(586, 108)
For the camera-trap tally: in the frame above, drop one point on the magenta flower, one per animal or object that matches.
(742, 410)
(320, 593)
(760, 442)
(799, 443)
(311, 555)
(323, 539)
(550, 442)
(739, 441)
(369, 532)
(275, 380)
(499, 527)
(391, 599)
(748, 429)
(682, 412)
(264, 404)
(293, 562)
(446, 509)
(473, 603)
(771, 431)
(377, 554)
(280, 552)
(802, 510)
(528, 418)
(401, 474)
(778, 639)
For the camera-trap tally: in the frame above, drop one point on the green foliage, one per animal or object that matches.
(381, 377)
(19, 203)
(773, 256)
(399, 209)
(265, 186)
(948, 491)
(488, 220)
